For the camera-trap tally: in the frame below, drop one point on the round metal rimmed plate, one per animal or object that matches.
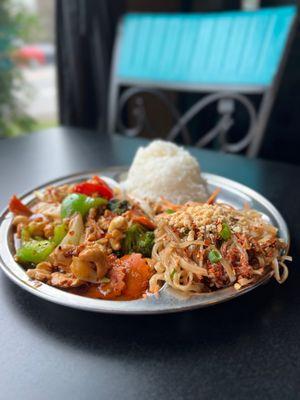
(167, 301)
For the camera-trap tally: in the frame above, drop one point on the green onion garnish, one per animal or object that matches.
(214, 256)
(225, 232)
(105, 280)
(172, 273)
(169, 211)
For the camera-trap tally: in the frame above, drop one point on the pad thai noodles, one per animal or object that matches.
(204, 247)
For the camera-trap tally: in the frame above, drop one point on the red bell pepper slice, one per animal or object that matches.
(17, 207)
(96, 179)
(93, 186)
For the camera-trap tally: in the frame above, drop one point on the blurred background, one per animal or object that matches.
(56, 60)
(28, 99)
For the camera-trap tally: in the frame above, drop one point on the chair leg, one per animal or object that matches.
(112, 108)
(262, 120)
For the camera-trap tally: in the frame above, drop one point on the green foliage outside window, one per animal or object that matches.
(16, 26)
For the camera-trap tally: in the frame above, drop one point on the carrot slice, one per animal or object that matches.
(137, 277)
(129, 279)
(145, 221)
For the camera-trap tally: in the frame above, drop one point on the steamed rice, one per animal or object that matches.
(163, 169)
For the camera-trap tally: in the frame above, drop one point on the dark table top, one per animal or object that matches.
(246, 347)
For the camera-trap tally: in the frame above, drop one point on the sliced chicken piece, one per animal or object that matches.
(64, 281)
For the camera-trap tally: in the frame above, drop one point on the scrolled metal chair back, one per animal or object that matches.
(225, 105)
(230, 55)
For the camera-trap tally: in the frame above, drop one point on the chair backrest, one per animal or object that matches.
(217, 50)
(231, 54)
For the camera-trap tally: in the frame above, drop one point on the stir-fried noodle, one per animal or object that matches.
(204, 247)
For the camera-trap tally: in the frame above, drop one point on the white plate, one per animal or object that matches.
(167, 301)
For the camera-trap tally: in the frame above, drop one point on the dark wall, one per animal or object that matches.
(283, 132)
(182, 5)
(282, 141)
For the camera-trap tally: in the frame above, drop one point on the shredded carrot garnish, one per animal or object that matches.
(213, 196)
(169, 205)
(145, 221)
(246, 205)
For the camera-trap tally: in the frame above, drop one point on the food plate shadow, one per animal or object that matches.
(102, 333)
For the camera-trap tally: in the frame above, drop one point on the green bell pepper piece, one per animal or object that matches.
(35, 251)
(60, 232)
(25, 235)
(80, 203)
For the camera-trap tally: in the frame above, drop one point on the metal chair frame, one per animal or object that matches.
(221, 94)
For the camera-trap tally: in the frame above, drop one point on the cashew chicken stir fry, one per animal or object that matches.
(87, 239)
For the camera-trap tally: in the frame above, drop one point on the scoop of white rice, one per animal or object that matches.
(164, 169)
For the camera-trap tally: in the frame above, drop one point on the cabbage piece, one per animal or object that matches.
(75, 232)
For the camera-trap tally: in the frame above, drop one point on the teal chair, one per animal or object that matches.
(229, 55)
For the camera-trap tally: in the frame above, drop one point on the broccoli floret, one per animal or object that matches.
(118, 206)
(145, 243)
(131, 237)
(138, 240)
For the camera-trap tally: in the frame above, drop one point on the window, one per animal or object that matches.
(27, 66)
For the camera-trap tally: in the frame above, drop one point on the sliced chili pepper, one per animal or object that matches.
(17, 207)
(89, 188)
